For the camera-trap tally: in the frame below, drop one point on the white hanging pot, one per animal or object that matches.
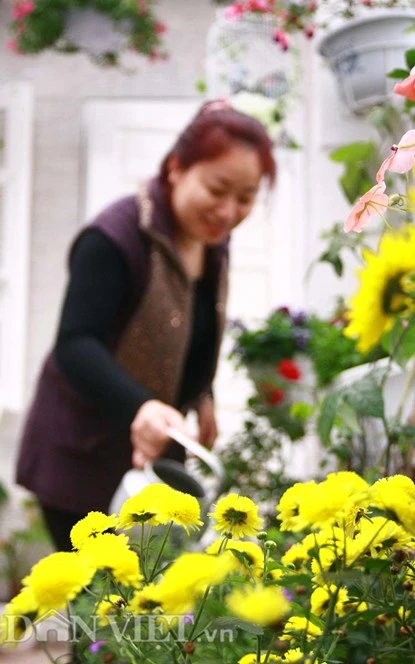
(363, 51)
(94, 32)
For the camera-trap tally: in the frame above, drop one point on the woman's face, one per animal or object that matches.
(212, 197)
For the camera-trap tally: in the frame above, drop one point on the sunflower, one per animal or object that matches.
(237, 515)
(385, 289)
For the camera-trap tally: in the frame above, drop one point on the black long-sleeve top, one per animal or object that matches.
(98, 285)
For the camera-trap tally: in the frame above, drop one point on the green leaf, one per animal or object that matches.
(398, 73)
(400, 342)
(349, 417)
(353, 152)
(355, 181)
(334, 260)
(410, 58)
(237, 623)
(327, 416)
(3, 494)
(365, 397)
(302, 410)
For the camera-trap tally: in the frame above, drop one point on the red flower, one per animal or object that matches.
(275, 396)
(289, 370)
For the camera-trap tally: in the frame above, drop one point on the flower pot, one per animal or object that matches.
(392, 390)
(362, 52)
(276, 394)
(89, 30)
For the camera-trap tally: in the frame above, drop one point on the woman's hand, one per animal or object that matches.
(148, 430)
(208, 430)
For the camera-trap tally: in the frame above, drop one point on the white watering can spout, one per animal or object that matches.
(173, 473)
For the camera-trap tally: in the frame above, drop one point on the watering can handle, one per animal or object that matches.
(201, 452)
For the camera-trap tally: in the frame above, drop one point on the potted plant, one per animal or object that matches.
(289, 357)
(360, 45)
(361, 52)
(100, 28)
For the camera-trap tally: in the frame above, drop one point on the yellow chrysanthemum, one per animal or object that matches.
(341, 498)
(93, 524)
(158, 504)
(183, 510)
(296, 655)
(112, 606)
(189, 577)
(253, 555)
(382, 534)
(146, 600)
(382, 297)
(264, 605)
(289, 506)
(237, 515)
(396, 494)
(297, 627)
(251, 658)
(12, 626)
(58, 578)
(111, 552)
(321, 599)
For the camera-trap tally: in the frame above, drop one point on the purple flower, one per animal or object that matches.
(287, 594)
(301, 338)
(189, 618)
(94, 647)
(299, 318)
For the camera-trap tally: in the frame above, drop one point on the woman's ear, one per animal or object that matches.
(174, 169)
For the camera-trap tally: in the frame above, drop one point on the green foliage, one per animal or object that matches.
(357, 159)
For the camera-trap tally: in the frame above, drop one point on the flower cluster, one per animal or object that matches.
(305, 16)
(287, 357)
(342, 590)
(41, 24)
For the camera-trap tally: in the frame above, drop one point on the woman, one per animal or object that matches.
(142, 321)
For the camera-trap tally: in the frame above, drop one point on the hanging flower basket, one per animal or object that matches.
(243, 55)
(102, 29)
(363, 51)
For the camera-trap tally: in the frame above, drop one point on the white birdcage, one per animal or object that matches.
(242, 55)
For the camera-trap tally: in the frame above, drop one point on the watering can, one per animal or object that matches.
(173, 473)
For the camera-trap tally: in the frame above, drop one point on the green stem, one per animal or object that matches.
(199, 613)
(258, 649)
(163, 544)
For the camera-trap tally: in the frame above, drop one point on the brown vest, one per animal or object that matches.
(166, 305)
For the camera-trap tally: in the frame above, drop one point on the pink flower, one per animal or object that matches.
(281, 38)
(160, 27)
(309, 30)
(234, 11)
(368, 205)
(12, 45)
(402, 158)
(22, 9)
(257, 6)
(406, 88)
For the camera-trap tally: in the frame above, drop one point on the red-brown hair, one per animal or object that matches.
(212, 131)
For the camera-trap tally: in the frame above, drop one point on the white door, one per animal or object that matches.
(16, 123)
(124, 142)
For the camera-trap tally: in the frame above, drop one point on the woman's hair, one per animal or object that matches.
(211, 133)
